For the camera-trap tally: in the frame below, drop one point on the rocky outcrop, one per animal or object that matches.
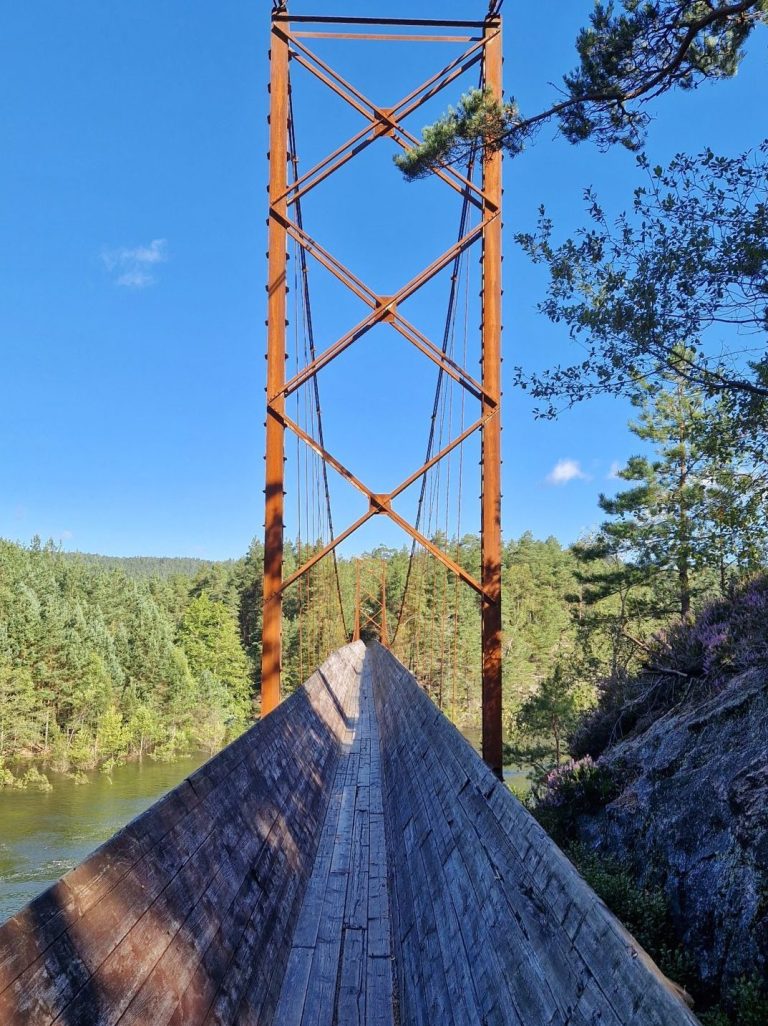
(692, 816)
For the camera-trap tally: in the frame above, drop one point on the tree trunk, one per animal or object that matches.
(685, 588)
(556, 733)
(683, 559)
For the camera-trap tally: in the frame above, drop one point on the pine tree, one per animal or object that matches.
(553, 711)
(664, 525)
(210, 637)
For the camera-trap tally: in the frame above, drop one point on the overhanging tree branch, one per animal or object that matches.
(626, 60)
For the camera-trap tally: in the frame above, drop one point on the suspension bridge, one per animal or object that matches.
(350, 859)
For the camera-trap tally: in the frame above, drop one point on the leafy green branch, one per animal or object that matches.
(626, 60)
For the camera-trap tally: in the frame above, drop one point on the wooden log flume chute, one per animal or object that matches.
(348, 860)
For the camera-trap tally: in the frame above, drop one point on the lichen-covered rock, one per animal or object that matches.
(693, 817)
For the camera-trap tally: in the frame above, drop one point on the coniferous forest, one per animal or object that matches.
(105, 659)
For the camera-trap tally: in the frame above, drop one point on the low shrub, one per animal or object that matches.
(745, 1004)
(685, 662)
(577, 788)
(644, 911)
(35, 780)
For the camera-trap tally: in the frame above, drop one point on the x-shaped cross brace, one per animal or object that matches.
(385, 122)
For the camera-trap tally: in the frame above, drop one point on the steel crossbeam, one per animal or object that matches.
(386, 121)
(288, 45)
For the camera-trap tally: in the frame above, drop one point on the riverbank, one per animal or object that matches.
(46, 833)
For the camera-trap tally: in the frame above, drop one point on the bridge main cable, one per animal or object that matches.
(312, 350)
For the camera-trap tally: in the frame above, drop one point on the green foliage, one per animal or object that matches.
(97, 666)
(669, 277)
(688, 506)
(746, 1004)
(553, 711)
(642, 910)
(154, 568)
(626, 60)
(683, 662)
(34, 780)
(646, 914)
(577, 788)
(629, 57)
(210, 639)
(457, 135)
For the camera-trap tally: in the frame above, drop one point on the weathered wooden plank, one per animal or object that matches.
(534, 935)
(293, 991)
(347, 857)
(166, 899)
(378, 993)
(350, 999)
(44, 988)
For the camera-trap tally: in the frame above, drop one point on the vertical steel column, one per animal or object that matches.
(276, 351)
(491, 440)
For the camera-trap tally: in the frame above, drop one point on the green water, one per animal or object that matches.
(514, 776)
(45, 834)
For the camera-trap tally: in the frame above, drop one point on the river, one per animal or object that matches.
(43, 834)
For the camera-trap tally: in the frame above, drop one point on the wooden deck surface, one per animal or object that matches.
(350, 860)
(340, 966)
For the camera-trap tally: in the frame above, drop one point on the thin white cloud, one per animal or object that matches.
(565, 471)
(613, 473)
(133, 268)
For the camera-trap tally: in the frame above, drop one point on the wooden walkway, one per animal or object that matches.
(349, 861)
(340, 965)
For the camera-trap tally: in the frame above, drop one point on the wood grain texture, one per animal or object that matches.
(340, 966)
(491, 923)
(186, 916)
(349, 861)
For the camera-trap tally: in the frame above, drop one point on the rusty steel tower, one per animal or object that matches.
(289, 42)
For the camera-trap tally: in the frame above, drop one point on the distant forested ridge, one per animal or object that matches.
(145, 566)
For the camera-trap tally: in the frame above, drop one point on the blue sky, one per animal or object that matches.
(132, 235)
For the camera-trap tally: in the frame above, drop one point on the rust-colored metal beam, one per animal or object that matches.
(491, 436)
(458, 440)
(310, 19)
(394, 316)
(382, 503)
(271, 644)
(380, 313)
(385, 309)
(384, 38)
(385, 122)
(322, 553)
(434, 550)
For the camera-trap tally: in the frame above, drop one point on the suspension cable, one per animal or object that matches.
(312, 351)
(457, 557)
(465, 211)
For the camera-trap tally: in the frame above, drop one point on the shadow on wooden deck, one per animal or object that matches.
(348, 860)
